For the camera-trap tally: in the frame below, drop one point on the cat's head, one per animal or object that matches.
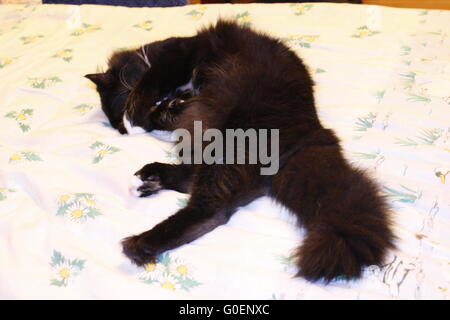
(155, 109)
(125, 69)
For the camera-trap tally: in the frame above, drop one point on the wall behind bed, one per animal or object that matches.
(128, 3)
(430, 4)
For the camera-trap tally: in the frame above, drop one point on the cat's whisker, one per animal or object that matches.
(122, 79)
(124, 91)
(143, 56)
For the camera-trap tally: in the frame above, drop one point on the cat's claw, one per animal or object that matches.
(148, 180)
(143, 187)
(135, 184)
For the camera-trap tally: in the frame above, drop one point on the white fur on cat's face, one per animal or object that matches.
(130, 128)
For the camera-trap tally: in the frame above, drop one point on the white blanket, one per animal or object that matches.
(382, 82)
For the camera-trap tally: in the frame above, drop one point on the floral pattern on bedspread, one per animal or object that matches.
(382, 79)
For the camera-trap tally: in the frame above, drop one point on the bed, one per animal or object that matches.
(382, 79)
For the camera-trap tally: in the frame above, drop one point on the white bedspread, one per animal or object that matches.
(382, 82)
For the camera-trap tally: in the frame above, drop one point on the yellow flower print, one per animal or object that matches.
(64, 270)
(303, 41)
(22, 117)
(24, 156)
(77, 207)
(65, 54)
(85, 28)
(168, 285)
(64, 198)
(146, 25)
(29, 39)
(364, 31)
(4, 62)
(91, 202)
(77, 212)
(43, 82)
(150, 267)
(83, 108)
(15, 157)
(101, 150)
(197, 13)
(310, 38)
(301, 9)
(170, 273)
(91, 28)
(182, 269)
(243, 18)
(4, 193)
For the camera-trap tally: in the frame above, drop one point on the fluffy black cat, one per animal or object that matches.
(239, 78)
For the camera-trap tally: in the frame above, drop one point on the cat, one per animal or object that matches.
(246, 79)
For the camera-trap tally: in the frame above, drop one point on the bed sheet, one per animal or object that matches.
(382, 80)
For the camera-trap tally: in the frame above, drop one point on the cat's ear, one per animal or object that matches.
(100, 79)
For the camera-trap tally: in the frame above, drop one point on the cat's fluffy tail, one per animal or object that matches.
(341, 249)
(347, 221)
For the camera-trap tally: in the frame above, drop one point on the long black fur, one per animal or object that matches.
(246, 79)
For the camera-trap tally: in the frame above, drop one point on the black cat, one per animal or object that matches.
(248, 80)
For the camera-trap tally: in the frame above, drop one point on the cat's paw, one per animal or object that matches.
(143, 186)
(148, 180)
(138, 251)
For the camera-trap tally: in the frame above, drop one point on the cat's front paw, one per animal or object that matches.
(145, 182)
(138, 251)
